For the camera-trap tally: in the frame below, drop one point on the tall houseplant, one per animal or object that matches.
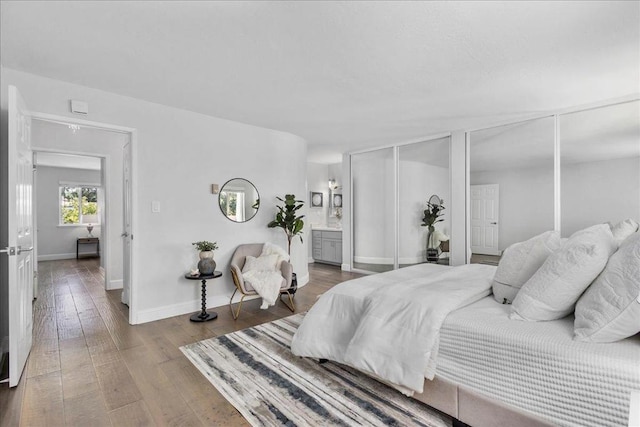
(288, 219)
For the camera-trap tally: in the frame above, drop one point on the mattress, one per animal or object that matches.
(536, 366)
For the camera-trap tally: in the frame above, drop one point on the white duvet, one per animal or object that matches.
(388, 324)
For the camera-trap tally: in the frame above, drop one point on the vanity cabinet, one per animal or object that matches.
(327, 247)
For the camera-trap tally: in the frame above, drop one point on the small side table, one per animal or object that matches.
(88, 241)
(203, 315)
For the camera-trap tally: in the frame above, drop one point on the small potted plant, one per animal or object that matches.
(206, 265)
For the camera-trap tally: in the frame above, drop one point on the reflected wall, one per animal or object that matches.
(600, 166)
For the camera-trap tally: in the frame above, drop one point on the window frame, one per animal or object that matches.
(79, 188)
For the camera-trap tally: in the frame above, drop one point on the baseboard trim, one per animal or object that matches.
(310, 260)
(115, 284)
(345, 267)
(389, 261)
(56, 257)
(213, 301)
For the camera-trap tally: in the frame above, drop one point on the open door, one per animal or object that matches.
(20, 236)
(126, 224)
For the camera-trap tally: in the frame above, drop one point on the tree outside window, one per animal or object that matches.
(78, 205)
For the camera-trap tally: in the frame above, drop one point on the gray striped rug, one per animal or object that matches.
(255, 370)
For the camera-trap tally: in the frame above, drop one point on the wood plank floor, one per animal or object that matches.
(89, 367)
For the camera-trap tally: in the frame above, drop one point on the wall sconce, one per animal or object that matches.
(332, 184)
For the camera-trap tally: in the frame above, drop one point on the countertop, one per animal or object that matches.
(324, 228)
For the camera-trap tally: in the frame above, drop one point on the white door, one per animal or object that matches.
(20, 233)
(485, 203)
(126, 224)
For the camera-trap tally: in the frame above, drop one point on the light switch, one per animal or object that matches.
(155, 206)
(214, 189)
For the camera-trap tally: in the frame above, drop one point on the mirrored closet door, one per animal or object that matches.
(600, 166)
(373, 205)
(511, 195)
(423, 172)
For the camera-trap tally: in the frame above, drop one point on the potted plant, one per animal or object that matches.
(206, 265)
(288, 219)
(432, 215)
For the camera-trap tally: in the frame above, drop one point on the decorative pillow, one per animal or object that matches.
(271, 249)
(610, 309)
(551, 293)
(519, 262)
(262, 263)
(623, 229)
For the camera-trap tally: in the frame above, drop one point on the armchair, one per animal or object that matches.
(245, 288)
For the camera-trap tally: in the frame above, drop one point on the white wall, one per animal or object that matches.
(317, 182)
(179, 154)
(597, 192)
(56, 241)
(526, 202)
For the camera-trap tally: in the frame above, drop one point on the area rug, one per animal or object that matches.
(255, 370)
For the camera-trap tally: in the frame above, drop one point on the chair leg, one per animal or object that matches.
(290, 305)
(236, 313)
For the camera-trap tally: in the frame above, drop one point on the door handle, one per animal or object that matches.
(20, 250)
(125, 234)
(493, 223)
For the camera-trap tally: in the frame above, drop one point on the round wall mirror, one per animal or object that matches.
(239, 200)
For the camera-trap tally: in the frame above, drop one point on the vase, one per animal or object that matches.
(206, 265)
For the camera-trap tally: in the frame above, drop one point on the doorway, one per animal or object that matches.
(106, 145)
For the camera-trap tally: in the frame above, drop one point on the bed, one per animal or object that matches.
(484, 369)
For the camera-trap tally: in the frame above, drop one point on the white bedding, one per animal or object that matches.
(537, 366)
(388, 324)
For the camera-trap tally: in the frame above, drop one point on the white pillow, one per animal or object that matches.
(623, 229)
(262, 263)
(271, 249)
(610, 309)
(519, 262)
(553, 290)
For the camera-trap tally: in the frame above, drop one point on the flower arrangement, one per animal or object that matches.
(204, 246)
(432, 215)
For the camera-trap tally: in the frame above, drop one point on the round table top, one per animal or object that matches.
(203, 276)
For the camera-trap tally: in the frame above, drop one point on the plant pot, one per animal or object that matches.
(206, 265)
(432, 255)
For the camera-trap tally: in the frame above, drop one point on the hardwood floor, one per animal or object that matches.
(89, 367)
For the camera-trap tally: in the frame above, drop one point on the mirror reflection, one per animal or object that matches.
(512, 186)
(600, 164)
(239, 200)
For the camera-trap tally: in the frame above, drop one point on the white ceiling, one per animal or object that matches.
(343, 75)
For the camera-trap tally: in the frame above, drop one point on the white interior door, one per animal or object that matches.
(20, 234)
(126, 224)
(485, 203)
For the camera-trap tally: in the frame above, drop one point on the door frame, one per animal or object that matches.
(132, 132)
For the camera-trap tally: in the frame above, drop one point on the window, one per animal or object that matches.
(78, 205)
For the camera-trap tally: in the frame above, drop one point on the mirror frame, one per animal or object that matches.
(256, 208)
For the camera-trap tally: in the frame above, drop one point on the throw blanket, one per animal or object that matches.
(266, 283)
(388, 324)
